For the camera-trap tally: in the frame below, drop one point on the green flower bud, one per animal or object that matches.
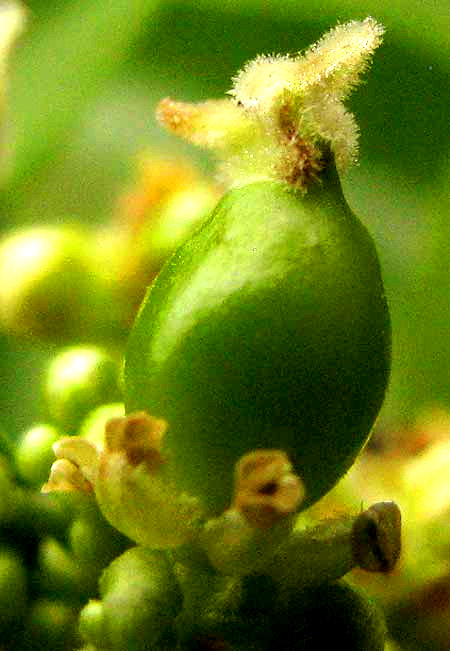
(140, 599)
(181, 214)
(51, 626)
(79, 379)
(8, 490)
(60, 575)
(13, 589)
(91, 623)
(93, 540)
(45, 284)
(34, 455)
(47, 515)
(336, 615)
(268, 328)
(27, 517)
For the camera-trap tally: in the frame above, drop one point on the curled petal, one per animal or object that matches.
(83, 454)
(66, 476)
(259, 85)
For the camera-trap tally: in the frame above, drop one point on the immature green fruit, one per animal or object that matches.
(269, 328)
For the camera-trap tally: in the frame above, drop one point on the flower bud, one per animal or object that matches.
(140, 599)
(79, 379)
(45, 283)
(93, 540)
(60, 575)
(331, 616)
(51, 624)
(13, 589)
(34, 455)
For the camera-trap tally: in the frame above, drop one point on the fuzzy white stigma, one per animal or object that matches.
(285, 112)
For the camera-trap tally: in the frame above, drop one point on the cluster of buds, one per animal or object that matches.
(55, 280)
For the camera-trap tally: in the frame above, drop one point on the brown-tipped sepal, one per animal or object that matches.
(266, 488)
(132, 488)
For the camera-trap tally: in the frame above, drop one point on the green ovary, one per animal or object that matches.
(267, 329)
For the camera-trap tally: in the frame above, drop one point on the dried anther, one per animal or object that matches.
(376, 537)
(266, 489)
(139, 436)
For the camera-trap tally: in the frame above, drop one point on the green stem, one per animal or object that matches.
(311, 557)
(234, 547)
(305, 558)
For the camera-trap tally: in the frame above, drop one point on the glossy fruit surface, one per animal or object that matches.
(269, 328)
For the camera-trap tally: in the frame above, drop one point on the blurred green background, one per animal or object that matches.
(85, 80)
